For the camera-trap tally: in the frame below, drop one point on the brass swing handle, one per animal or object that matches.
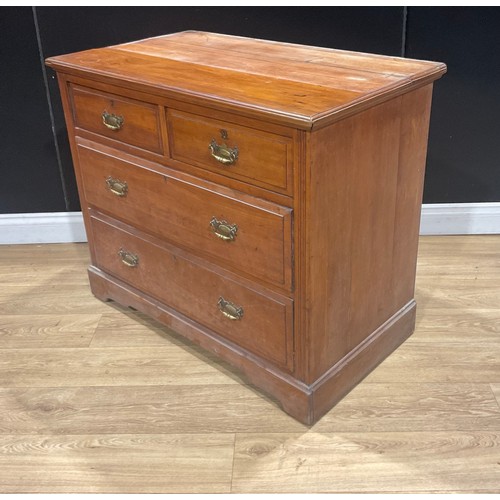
(113, 122)
(116, 186)
(230, 310)
(223, 153)
(128, 258)
(223, 229)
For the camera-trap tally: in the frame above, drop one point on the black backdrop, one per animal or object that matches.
(464, 145)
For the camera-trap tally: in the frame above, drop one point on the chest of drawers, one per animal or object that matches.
(262, 199)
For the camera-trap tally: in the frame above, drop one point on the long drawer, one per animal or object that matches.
(258, 321)
(251, 236)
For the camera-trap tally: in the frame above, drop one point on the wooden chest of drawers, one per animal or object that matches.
(260, 198)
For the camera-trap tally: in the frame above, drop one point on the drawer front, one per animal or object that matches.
(255, 321)
(132, 122)
(243, 153)
(252, 237)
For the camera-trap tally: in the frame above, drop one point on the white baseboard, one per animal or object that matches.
(67, 227)
(460, 218)
(55, 227)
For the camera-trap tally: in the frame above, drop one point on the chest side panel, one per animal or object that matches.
(363, 211)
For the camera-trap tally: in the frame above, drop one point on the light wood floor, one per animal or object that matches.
(97, 398)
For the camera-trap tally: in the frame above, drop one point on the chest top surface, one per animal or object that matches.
(292, 84)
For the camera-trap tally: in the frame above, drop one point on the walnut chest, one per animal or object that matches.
(260, 198)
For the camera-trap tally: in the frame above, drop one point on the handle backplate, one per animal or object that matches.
(113, 122)
(222, 153)
(128, 258)
(117, 187)
(223, 230)
(230, 310)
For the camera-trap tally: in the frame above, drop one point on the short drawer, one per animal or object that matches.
(250, 155)
(256, 321)
(126, 120)
(248, 235)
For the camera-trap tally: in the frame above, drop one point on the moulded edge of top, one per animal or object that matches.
(297, 120)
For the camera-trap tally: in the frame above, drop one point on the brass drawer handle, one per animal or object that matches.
(114, 122)
(222, 153)
(116, 186)
(230, 310)
(128, 258)
(223, 229)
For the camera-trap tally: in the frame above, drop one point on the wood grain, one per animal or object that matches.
(496, 391)
(194, 290)
(98, 367)
(42, 256)
(410, 406)
(43, 298)
(263, 95)
(462, 293)
(269, 50)
(133, 329)
(436, 362)
(47, 331)
(216, 175)
(349, 265)
(141, 122)
(31, 265)
(263, 158)
(414, 127)
(240, 58)
(172, 463)
(357, 212)
(174, 208)
(285, 83)
(367, 462)
(192, 409)
(482, 326)
(427, 420)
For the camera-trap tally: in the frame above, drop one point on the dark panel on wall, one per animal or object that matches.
(69, 29)
(464, 145)
(30, 174)
(366, 29)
